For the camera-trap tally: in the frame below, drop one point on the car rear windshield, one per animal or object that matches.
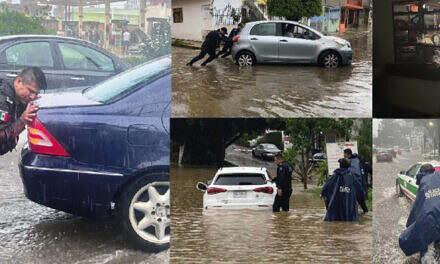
(270, 147)
(241, 179)
(129, 81)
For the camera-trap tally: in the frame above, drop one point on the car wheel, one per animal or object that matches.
(245, 59)
(330, 59)
(145, 212)
(398, 190)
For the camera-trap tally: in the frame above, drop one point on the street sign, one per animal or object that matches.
(335, 151)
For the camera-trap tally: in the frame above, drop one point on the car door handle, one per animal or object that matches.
(283, 40)
(254, 39)
(12, 75)
(77, 78)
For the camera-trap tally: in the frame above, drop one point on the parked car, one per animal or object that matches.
(318, 157)
(288, 42)
(265, 151)
(66, 62)
(406, 180)
(239, 188)
(392, 152)
(384, 156)
(104, 151)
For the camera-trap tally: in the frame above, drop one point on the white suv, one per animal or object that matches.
(239, 188)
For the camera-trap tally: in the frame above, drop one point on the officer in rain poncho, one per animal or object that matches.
(357, 167)
(339, 193)
(423, 225)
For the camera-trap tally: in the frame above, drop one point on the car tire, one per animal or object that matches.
(144, 211)
(398, 190)
(330, 59)
(245, 59)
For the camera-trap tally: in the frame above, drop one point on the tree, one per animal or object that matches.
(304, 134)
(14, 23)
(294, 9)
(365, 140)
(205, 140)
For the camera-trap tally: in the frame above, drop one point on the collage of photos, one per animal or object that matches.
(219, 131)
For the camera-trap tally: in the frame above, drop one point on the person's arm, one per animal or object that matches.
(9, 130)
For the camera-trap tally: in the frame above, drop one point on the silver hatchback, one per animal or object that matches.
(288, 42)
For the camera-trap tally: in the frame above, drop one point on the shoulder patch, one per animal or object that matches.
(4, 116)
(9, 100)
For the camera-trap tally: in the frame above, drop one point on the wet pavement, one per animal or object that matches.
(30, 233)
(390, 211)
(245, 236)
(222, 89)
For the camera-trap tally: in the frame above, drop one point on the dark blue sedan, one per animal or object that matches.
(104, 150)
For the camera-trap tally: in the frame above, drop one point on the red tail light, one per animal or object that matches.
(236, 39)
(215, 190)
(42, 142)
(267, 189)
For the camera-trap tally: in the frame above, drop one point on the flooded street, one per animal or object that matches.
(390, 211)
(222, 89)
(30, 233)
(246, 236)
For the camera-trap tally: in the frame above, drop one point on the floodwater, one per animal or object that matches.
(390, 211)
(222, 89)
(246, 236)
(30, 233)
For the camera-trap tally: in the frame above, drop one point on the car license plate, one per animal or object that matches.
(239, 194)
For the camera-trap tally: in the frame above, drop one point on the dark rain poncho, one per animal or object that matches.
(339, 193)
(423, 225)
(358, 170)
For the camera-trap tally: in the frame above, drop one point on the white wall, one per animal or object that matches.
(193, 24)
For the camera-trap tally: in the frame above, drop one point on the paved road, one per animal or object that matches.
(390, 211)
(33, 234)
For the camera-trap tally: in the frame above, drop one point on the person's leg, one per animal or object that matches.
(224, 50)
(228, 50)
(363, 205)
(210, 58)
(286, 200)
(201, 55)
(276, 204)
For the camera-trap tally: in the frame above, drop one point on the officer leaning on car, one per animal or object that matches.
(226, 51)
(16, 109)
(283, 182)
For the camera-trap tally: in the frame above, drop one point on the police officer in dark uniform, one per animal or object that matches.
(212, 41)
(358, 171)
(283, 182)
(16, 109)
(226, 51)
(424, 219)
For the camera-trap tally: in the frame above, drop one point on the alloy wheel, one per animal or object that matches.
(331, 61)
(245, 60)
(149, 212)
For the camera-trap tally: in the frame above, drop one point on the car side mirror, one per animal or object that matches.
(201, 186)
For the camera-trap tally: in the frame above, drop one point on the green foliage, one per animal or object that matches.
(322, 171)
(205, 140)
(365, 141)
(272, 138)
(294, 9)
(15, 23)
(304, 134)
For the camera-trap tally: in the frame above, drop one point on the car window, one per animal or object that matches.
(30, 54)
(264, 29)
(413, 170)
(240, 179)
(295, 31)
(83, 58)
(128, 81)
